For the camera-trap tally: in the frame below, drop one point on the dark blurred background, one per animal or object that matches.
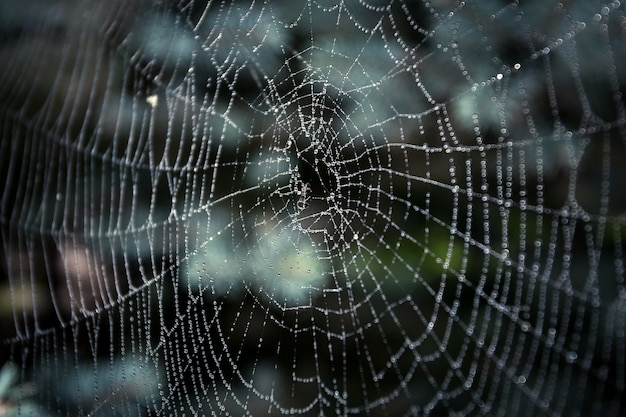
(268, 208)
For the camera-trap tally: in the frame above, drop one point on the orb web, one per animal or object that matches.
(312, 208)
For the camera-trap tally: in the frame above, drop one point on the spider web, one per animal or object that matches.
(312, 208)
